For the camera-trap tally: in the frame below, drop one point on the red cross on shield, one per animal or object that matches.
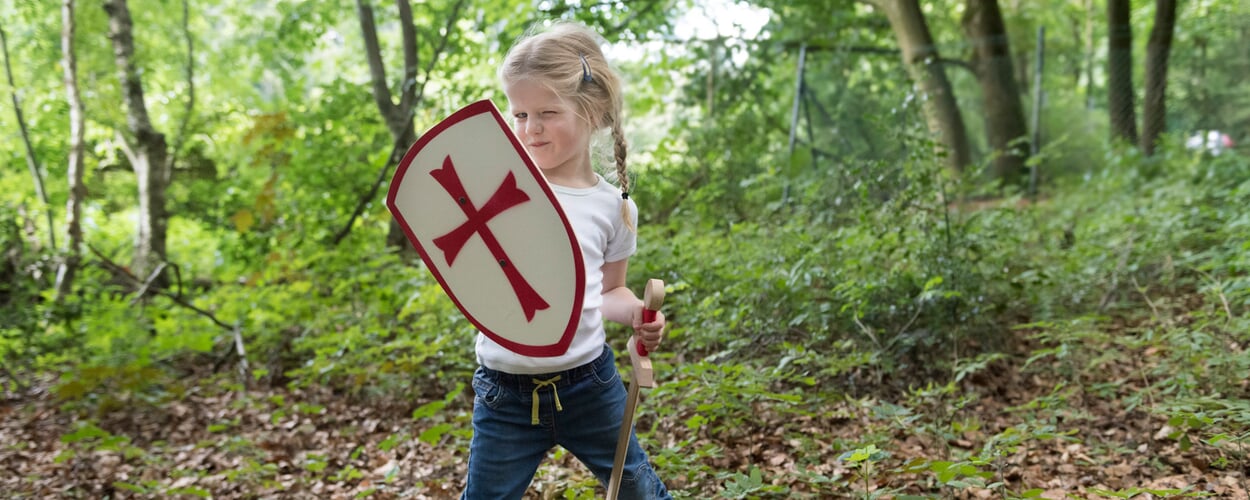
(490, 230)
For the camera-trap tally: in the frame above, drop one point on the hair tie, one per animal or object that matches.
(586, 70)
(624, 195)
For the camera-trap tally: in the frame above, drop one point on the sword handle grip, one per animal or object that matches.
(652, 299)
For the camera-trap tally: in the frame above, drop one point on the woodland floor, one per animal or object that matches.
(281, 443)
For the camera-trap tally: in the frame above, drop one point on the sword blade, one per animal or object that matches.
(622, 440)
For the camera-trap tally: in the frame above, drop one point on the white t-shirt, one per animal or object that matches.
(595, 215)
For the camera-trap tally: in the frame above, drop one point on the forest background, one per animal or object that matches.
(913, 249)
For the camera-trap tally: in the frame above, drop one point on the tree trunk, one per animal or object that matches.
(148, 153)
(1154, 109)
(32, 162)
(1120, 71)
(1089, 56)
(77, 147)
(1005, 127)
(922, 60)
(398, 117)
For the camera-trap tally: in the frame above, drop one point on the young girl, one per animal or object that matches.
(561, 91)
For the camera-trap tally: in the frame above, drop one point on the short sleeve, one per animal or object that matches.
(623, 241)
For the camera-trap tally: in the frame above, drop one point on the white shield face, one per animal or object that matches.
(491, 231)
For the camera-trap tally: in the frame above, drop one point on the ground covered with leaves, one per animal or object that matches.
(1011, 426)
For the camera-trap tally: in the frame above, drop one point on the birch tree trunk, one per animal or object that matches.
(148, 153)
(1154, 108)
(923, 62)
(77, 189)
(1004, 116)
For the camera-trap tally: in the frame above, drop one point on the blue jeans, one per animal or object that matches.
(580, 410)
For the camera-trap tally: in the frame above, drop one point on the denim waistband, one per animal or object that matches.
(525, 381)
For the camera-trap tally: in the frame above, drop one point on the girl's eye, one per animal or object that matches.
(520, 116)
(549, 112)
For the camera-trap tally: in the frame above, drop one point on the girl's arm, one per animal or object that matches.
(622, 306)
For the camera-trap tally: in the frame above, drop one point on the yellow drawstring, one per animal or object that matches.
(539, 384)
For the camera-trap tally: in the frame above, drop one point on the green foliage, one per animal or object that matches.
(433, 412)
(863, 461)
(851, 268)
(750, 485)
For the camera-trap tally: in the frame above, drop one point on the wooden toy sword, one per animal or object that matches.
(652, 299)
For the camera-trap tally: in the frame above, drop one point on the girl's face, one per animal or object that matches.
(554, 135)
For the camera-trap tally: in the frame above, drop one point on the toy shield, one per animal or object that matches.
(489, 228)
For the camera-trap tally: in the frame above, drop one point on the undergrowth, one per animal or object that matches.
(903, 307)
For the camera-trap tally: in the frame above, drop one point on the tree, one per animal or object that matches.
(1004, 116)
(1154, 109)
(923, 62)
(1120, 71)
(32, 162)
(146, 148)
(77, 147)
(148, 154)
(397, 116)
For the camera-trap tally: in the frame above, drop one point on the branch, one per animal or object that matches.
(31, 161)
(125, 146)
(868, 49)
(438, 51)
(1142, 290)
(854, 49)
(401, 144)
(373, 53)
(121, 271)
(180, 139)
(614, 31)
(238, 349)
(960, 63)
(397, 153)
(1119, 268)
(407, 88)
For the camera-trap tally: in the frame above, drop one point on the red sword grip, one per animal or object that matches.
(652, 299)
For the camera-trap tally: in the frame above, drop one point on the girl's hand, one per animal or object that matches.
(649, 334)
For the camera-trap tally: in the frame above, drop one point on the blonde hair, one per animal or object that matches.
(568, 60)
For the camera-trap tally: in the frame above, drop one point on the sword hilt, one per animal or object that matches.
(652, 299)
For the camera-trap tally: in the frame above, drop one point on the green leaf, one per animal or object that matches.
(85, 431)
(191, 490)
(435, 433)
(129, 487)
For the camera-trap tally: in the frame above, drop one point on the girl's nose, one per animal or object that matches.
(533, 127)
